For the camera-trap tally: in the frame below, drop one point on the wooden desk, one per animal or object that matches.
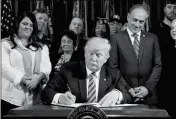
(58, 111)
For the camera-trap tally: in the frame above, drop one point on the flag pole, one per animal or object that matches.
(85, 18)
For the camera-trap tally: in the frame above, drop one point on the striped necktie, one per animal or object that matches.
(136, 44)
(91, 98)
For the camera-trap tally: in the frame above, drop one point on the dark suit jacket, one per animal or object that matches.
(144, 71)
(74, 74)
(76, 57)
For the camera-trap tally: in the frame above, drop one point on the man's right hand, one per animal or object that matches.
(132, 92)
(68, 98)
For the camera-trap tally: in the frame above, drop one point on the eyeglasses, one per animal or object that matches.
(102, 20)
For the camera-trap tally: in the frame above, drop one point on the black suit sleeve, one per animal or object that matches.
(157, 66)
(56, 85)
(113, 60)
(122, 86)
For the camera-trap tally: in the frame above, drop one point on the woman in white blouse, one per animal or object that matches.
(25, 65)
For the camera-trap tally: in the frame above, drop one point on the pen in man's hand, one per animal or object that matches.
(68, 88)
(72, 97)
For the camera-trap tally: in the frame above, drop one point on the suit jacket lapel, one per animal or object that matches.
(102, 83)
(128, 42)
(142, 45)
(82, 81)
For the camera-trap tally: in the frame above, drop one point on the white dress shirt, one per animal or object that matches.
(131, 37)
(57, 95)
(96, 79)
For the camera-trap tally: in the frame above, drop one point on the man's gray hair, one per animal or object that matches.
(140, 6)
(105, 43)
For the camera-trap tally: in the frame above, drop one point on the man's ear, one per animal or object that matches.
(107, 55)
(128, 17)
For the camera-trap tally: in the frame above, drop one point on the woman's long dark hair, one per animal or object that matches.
(106, 25)
(34, 35)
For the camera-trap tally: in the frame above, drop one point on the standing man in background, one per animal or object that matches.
(136, 53)
(76, 25)
(162, 30)
(169, 79)
(42, 22)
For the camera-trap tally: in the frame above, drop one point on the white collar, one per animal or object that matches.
(131, 33)
(89, 72)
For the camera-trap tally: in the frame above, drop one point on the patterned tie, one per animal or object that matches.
(91, 89)
(136, 44)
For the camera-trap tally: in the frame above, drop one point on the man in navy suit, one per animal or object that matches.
(72, 83)
(137, 55)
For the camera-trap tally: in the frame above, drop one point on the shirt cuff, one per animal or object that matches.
(56, 98)
(120, 97)
(18, 78)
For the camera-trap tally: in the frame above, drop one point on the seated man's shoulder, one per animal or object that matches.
(114, 72)
(71, 65)
(76, 69)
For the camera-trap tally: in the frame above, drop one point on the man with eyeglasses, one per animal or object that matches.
(77, 26)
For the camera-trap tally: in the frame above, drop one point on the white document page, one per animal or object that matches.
(96, 104)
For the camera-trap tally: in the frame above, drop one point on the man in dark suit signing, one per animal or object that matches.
(137, 55)
(89, 81)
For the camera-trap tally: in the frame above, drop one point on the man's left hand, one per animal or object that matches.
(141, 92)
(110, 98)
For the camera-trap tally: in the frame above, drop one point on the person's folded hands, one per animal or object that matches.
(36, 79)
(141, 92)
(26, 80)
(132, 92)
